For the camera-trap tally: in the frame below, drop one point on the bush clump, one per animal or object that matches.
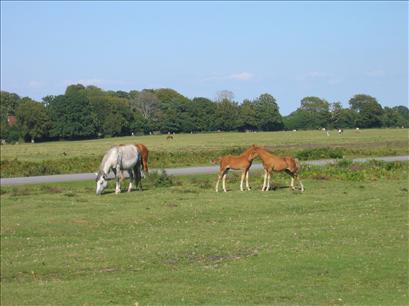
(319, 153)
(160, 179)
(349, 171)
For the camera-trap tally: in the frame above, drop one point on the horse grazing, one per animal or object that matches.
(118, 158)
(242, 162)
(143, 150)
(279, 163)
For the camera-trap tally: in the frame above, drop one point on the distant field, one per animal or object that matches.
(342, 242)
(207, 142)
(196, 149)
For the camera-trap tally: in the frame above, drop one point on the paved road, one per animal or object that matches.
(170, 171)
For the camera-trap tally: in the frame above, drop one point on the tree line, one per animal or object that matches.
(86, 112)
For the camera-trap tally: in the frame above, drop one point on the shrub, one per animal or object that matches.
(13, 134)
(160, 179)
(319, 153)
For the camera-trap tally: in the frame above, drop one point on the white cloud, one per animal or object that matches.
(241, 76)
(313, 75)
(320, 76)
(375, 73)
(35, 84)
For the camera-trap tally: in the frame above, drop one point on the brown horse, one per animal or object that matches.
(144, 155)
(241, 162)
(279, 163)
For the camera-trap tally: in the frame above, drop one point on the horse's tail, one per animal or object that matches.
(216, 160)
(145, 166)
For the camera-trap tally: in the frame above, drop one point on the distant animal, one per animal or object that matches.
(277, 163)
(118, 158)
(242, 162)
(169, 137)
(340, 131)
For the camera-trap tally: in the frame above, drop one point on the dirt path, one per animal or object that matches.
(170, 171)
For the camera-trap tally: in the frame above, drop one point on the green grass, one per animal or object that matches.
(342, 242)
(198, 149)
(208, 142)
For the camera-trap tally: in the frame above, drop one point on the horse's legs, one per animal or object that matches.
(224, 181)
(292, 182)
(218, 180)
(299, 181)
(117, 183)
(131, 179)
(247, 180)
(242, 180)
(138, 176)
(265, 180)
(268, 181)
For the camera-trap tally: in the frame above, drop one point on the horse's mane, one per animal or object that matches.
(104, 159)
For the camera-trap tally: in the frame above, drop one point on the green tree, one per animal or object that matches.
(227, 115)
(146, 103)
(8, 104)
(402, 113)
(341, 117)
(203, 112)
(32, 120)
(248, 120)
(174, 113)
(139, 124)
(13, 134)
(397, 116)
(316, 112)
(113, 114)
(368, 111)
(72, 115)
(267, 113)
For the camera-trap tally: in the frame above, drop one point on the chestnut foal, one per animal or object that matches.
(241, 162)
(279, 163)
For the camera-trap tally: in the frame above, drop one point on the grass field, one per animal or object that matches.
(342, 242)
(373, 138)
(198, 149)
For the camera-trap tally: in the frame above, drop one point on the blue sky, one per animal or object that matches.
(289, 49)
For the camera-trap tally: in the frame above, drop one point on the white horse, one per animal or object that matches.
(118, 158)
